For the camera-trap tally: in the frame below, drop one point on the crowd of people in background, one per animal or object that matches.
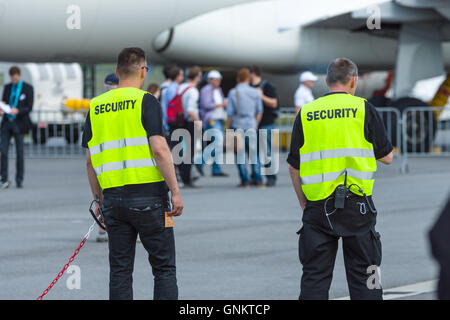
(251, 104)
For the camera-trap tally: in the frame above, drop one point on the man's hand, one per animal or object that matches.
(177, 205)
(14, 111)
(97, 212)
(296, 183)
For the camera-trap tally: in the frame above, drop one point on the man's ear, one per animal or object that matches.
(326, 81)
(117, 73)
(352, 82)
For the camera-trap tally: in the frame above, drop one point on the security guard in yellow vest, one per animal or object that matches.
(336, 141)
(130, 170)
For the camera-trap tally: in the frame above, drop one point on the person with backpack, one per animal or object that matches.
(182, 112)
(176, 76)
(269, 96)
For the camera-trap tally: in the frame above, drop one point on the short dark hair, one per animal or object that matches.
(14, 70)
(341, 70)
(128, 60)
(194, 72)
(256, 70)
(166, 69)
(152, 88)
(173, 72)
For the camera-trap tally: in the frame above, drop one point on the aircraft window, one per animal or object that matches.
(57, 74)
(43, 73)
(70, 71)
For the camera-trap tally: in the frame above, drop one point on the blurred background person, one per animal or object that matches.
(269, 96)
(213, 113)
(439, 239)
(190, 98)
(175, 77)
(245, 111)
(167, 75)
(154, 89)
(111, 82)
(19, 96)
(304, 95)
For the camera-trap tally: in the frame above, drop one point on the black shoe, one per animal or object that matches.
(200, 169)
(271, 183)
(4, 185)
(220, 174)
(19, 185)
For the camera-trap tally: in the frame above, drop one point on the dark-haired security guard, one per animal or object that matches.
(336, 141)
(129, 167)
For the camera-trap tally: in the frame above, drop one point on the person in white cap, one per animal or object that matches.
(304, 95)
(212, 112)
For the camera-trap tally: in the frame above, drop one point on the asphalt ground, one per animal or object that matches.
(231, 243)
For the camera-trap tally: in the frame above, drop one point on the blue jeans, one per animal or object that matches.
(250, 149)
(217, 124)
(269, 129)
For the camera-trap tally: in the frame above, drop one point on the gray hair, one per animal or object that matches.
(341, 70)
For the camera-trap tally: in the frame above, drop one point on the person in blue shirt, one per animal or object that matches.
(176, 76)
(245, 111)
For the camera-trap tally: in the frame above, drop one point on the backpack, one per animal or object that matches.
(175, 113)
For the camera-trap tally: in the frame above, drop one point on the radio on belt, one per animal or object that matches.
(340, 194)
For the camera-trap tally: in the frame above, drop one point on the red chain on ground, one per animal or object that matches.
(60, 274)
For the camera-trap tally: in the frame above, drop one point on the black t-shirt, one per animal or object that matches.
(152, 121)
(374, 132)
(269, 114)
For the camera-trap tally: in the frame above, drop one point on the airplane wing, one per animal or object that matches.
(391, 15)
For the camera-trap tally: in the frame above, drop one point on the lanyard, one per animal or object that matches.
(14, 97)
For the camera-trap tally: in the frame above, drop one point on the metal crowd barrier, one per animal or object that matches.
(55, 134)
(424, 133)
(415, 132)
(392, 119)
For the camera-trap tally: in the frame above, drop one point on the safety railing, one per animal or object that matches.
(415, 132)
(54, 134)
(425, 133)
(392, 120)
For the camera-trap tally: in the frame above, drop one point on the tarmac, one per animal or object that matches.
(231, 243)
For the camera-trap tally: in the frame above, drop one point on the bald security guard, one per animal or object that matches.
(336, 141)
(129, 168)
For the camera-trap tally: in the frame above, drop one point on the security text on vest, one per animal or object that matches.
(331, 114)
(115, 106)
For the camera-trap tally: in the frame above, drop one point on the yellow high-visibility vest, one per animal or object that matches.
(334, 144)
(119, 147)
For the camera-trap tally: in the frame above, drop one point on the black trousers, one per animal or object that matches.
(11, 129)
(318, 244)
(185, 167)
(124, 220)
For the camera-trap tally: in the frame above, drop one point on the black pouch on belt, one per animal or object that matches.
(339, 196)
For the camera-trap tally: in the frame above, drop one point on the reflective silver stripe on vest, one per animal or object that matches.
(117, 144)
(327, 177)
(113, 166)
(336, 153)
